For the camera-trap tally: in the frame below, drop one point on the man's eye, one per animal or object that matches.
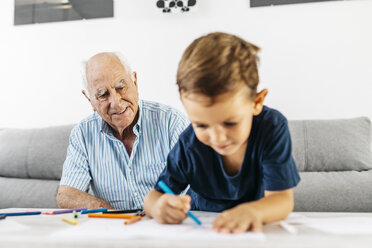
(230, 124)
(121, 88)
(103, 96)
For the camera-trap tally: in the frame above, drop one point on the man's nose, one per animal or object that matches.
(115, 99)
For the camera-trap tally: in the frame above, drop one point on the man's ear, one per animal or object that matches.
(135, 78)
(259, 101)
(87, 97)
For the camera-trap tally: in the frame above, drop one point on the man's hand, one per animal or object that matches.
(240, 219)
(69, 197)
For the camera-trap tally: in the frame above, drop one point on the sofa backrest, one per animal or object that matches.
(332, 145)
(33, 153)
(318, 145)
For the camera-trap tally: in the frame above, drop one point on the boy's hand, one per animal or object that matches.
(171, 209)
(239, 219)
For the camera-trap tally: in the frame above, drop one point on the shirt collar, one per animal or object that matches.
(107, 129)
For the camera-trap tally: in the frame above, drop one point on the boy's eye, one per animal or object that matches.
(201, 126)
(230, 124)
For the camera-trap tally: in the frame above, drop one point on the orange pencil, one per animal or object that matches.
(132, 220)
(116, 216)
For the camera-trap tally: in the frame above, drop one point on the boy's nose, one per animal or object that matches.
(218, 136)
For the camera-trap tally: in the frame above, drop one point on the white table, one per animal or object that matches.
(275, 236)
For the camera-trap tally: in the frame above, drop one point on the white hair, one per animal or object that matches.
(123, 61)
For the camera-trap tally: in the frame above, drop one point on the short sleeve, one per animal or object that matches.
(177, 124)
(279, 168)
(174, 174)
(76, 168)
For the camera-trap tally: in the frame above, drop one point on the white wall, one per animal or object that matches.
(316, 58)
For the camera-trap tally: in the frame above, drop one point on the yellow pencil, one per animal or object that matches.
(70, 221)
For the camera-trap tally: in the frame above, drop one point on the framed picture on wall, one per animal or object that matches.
(259, 3)
(41, 11)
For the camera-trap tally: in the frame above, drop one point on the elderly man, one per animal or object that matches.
(121, 149)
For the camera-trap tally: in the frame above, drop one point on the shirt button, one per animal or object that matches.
(135, 194)
(129, 170)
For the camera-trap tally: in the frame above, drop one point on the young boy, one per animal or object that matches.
(236, 154)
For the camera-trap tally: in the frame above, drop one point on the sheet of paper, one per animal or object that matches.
(334, 225)
(9, 225)
(294, 218)
(340, 225)
(150, 229)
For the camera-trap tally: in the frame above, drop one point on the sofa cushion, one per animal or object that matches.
(332, 145)
(33, 153)
(28, 193)
(337, 191)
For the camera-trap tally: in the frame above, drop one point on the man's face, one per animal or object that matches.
(113, 94)
(226, 124)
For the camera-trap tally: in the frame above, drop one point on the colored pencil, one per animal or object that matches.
(115, 216)
(21, 213)
(141, 213)
(132, 220)
(65, 211)
(167, 190)
(70, 221)
(122, 211)
(97, 210)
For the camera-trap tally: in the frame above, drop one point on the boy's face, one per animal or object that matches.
(226, 124)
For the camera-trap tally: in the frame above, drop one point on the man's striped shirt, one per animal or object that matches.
(95, 157)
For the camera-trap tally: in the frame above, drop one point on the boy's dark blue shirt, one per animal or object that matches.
(267, 165)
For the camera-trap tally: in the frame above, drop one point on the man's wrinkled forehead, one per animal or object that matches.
(103, 69)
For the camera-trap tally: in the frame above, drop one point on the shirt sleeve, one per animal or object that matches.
(178, 123)
(279, 168)
(174, 174)
(76, 168)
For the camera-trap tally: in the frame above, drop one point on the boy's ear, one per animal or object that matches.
(87, 97)
(259, 101)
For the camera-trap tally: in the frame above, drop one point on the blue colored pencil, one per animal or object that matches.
(167, 190)
(21, 213)
(98, 210)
